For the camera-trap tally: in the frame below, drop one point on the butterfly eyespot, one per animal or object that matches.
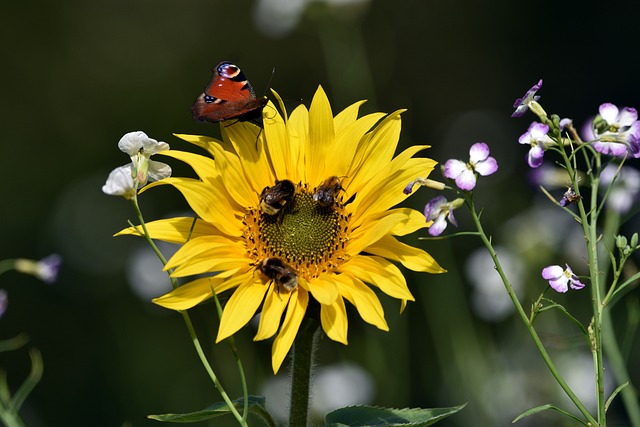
(229, 95)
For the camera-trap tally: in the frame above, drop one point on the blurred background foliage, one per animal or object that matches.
(77, 75)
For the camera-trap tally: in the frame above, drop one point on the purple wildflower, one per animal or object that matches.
(617, 132)
(49, 267)
(46, 269)
(522, 104)
(438, 210)
(465, 173)
(537, 137)
(560, 280)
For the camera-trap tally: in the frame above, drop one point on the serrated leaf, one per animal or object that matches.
(256, 404)
(373, 416)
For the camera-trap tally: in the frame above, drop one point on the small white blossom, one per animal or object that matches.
(120, 183)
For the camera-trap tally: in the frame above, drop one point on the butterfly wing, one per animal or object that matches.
(229, 95)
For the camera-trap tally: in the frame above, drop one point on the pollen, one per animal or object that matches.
(307, 236)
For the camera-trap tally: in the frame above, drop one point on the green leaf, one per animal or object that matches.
(256, 405)
(372, 416)
(614, 394)
(546, 407)
(564, 311)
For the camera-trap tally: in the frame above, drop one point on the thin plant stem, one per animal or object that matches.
(534, 335)
(302, 361)
(7, 265)
(620, 372)
(610, 343)
(232, 344)
(589, 221)
(187, 320)
(10, 418)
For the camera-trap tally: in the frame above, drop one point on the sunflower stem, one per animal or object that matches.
(302, 361)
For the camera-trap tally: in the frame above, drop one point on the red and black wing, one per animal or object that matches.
(229, 95)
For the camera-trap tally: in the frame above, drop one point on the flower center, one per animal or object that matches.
(307, 236)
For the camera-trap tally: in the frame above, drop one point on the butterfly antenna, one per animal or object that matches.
(273, 73)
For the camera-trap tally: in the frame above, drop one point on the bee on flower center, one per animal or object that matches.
(273, 199)
(276, 270)
(328, 191)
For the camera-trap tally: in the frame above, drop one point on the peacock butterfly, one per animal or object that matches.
(229, 95)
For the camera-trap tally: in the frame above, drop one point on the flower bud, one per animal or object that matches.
(538, 110)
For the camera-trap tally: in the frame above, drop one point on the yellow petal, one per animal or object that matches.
(277, 138)
(219, 263)
(364, 299)
(321, 136)
(375, 228)
(298, 127)
(193, 293)
(174, 230)
(323, 289)
(233, 177)
(347, 116)
(413, 258)
(233, 282)
(376, 151)
(188, 295)
(255, 163)
(295, 312)
(203, 141)
(204, 167)
(208, 247)
(210, 205)
(241, 307)
(385, 190)
(274, 305)
(345, 147)
(334, 320)
(390, 169)
(379, 272)
(415, 221)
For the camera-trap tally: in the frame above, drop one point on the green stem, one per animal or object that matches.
(589, 221)
(234, 349)
(609, 340)
(619, 368)
(525, 319)
(7, 265)
(303, 349)
(10, 418)
(187, 320)
(203, 359)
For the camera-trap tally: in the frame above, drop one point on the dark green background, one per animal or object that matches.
(77, 75)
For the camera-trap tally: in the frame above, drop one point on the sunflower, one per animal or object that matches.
(302, 209)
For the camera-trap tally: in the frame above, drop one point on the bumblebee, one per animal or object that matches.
(276, 270)
(273, 199)
(327, 192)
